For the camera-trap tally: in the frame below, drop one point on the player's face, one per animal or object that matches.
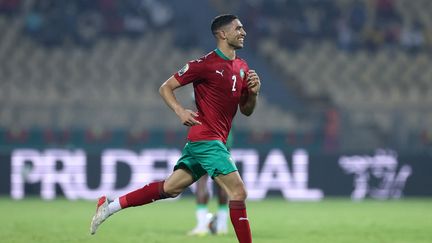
(235, 34)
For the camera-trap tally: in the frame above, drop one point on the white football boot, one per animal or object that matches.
(102, 213)
(222, 230)
(198, 231)
(202, 229)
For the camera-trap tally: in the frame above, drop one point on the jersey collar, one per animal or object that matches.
(221, 55)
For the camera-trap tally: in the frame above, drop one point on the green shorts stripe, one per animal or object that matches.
(211, 157)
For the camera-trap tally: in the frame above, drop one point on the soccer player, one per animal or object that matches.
(222, 83)
(202, 197)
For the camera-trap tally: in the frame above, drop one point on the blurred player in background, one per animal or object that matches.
(207, 222)
(222, 83)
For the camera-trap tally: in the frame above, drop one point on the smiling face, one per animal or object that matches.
(234, 34)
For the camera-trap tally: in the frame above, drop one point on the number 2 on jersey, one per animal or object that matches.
(234, 78)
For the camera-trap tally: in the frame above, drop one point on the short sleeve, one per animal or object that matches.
(190, 72)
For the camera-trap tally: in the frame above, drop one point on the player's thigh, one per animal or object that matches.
(178, 181)
(189, 162)
(233, 185)
(213, 157)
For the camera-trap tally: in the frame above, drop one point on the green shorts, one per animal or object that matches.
(206, 157)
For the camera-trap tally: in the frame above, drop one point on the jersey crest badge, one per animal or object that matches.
(183, 70)
(242, 73)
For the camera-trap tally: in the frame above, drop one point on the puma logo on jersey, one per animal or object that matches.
(220, 72)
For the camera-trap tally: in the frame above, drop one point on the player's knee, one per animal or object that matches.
(172, 193)
(239, 193)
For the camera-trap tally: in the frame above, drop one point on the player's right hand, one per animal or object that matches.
(187, 117)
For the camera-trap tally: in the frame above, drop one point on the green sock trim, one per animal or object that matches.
(223, 207)
(201, 206)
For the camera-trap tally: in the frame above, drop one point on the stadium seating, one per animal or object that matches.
(111, 85)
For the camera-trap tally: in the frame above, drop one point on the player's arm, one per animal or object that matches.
(166, 90)
(248, 99)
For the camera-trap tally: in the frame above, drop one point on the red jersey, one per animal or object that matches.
(218, 84)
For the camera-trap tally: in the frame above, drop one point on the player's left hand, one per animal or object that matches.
(253, 82)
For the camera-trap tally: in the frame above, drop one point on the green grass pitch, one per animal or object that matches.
(272, 220)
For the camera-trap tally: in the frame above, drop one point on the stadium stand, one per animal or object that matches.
(383, 90)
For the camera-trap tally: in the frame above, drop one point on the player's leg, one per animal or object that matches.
(236, 190)
(215, 158)
(222, 213)
(171, 187)
(202, 193)
(202, 198)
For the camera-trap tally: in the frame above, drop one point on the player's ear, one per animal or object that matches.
(221, 34)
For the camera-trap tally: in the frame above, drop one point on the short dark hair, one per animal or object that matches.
(220, 21)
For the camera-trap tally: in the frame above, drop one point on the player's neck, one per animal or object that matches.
(227, 52)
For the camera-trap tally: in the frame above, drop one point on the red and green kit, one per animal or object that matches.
(218, 85)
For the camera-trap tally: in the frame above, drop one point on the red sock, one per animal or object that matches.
(147, 194)
(240, 221)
